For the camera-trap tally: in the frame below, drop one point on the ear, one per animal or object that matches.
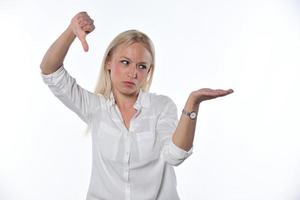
(108, 65)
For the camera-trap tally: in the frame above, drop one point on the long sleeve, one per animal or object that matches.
(166, 126)
(66, 89)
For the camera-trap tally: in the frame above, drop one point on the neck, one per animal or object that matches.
(125, 101)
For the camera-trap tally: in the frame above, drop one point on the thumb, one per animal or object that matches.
(84, 43)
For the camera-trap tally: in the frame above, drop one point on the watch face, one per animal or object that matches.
(193, 115)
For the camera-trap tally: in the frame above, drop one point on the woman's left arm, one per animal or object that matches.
(185, 130)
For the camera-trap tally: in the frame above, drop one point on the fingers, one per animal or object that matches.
(213, 93)
(223, 92)
(86, 24)
(82, 25)
(88, 28)
(207, 94)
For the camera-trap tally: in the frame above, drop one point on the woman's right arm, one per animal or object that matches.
(81, 25)
(60, 82)
(55, 55)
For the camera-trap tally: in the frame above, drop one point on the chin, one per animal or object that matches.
(129, 91)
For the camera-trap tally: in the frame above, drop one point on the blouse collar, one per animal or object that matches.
(143, 100)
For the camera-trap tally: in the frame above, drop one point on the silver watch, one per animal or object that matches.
(192, 115)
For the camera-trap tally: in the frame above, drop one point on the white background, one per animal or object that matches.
(246, 145)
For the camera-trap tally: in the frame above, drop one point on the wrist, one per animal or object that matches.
(69, 32)
(191, 105)
(192, 114)
(192, 102)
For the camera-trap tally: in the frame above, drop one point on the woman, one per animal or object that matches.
(136, 136)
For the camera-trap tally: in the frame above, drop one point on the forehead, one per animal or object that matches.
(136, 51)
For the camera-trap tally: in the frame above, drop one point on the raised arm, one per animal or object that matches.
(60, 82)
(185, 131)
(81, 24)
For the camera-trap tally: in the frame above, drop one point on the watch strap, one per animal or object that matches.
(192, 115)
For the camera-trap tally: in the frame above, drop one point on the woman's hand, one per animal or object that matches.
(81, 25)
(206, 94)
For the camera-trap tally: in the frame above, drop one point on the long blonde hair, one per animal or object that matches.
(104, 84)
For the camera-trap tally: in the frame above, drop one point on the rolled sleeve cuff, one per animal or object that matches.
(175, 155)
(178, 152)
(51, 79)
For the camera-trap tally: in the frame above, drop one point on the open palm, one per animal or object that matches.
(207, 94)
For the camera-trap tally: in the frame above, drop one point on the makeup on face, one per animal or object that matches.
(129, 66)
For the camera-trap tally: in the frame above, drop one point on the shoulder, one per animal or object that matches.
(162, 106)
(160, 101)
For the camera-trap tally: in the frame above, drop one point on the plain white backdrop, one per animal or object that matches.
(246, 144)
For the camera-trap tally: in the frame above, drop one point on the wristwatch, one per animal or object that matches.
(192, 115)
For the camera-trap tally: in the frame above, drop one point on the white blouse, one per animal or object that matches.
(128, 164)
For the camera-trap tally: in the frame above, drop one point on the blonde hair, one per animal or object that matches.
(104, 84)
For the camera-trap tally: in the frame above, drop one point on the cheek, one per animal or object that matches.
(142, 77)
(117, 71)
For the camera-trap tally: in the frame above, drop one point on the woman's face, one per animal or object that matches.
(129, 66)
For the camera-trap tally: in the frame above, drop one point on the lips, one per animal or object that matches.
(129, 83)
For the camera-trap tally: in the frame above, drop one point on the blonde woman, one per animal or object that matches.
(136, 136)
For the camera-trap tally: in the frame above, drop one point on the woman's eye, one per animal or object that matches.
(142, 66)
(125, 62)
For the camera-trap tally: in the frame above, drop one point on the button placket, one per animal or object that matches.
(127, 191)
(127, 149)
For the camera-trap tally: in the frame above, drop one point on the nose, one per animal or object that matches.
(132, 71)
